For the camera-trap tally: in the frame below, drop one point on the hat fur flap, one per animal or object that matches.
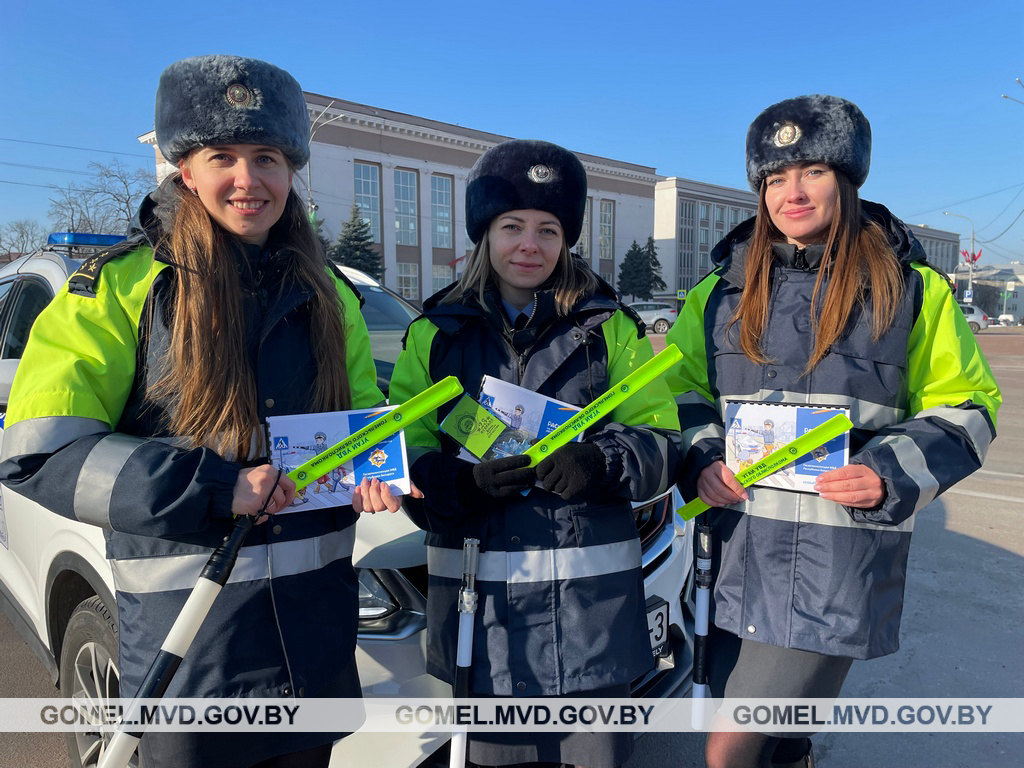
(809, 129)
(210, 100)
(525, 174)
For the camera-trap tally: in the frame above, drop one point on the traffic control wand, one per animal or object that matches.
(773, 462)
(218, 568)
(464, 654)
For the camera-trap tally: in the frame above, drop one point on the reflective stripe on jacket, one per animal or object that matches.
(561, 607)
(793, 569)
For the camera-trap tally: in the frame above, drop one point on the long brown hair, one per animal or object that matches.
(208, 376)
(573, 279)
(859, 262)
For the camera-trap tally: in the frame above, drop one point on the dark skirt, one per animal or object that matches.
(597, 749)
(745, 669)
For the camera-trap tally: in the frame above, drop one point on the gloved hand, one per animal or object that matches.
(573, 469)
(479, 484)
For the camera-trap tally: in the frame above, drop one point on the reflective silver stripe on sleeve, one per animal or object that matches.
(693, 398)
(703, 432)
(913, 463)
(540, 565)
(970, 420)
(48, 434)
(178, 572)
(792, 507)
(96, 479)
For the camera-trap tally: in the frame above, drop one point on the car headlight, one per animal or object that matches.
(375, 602)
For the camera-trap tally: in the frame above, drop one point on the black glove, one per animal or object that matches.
(479, 484)
(572, 469)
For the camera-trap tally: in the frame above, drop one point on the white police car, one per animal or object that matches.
(56, 586)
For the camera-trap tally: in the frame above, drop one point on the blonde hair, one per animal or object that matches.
(858, 263)
(573, 278)
(208, 377)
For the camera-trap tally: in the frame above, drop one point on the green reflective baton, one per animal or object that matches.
(392, 421)
(777, 459)
(605, 404)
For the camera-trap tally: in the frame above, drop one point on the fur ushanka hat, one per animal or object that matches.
(230, 100)
(809, 129)
(524, 174)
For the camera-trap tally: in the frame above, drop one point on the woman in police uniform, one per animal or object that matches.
(529, 313)
(140, 398)
(821, 299)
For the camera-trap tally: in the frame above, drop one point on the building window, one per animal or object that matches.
(367, 178)
(583, 246)
(719, 214)
(405, 208)
(441, 210)
(606, 234)
(704, 236)
(734, 217)
(442, 277)
(704, 212)
(607, 277)
(408, 280)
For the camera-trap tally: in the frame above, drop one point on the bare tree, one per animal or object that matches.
(21, 236)
(104, 203)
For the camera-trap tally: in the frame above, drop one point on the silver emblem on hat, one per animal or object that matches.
(541, 174)
(238, 95)
(786, 136)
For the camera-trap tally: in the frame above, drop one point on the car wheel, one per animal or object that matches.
(975, 328)
(89, 676)
(661, 326)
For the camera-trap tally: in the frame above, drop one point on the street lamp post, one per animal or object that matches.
(1011, 97)
(970, 261)
(315, 126)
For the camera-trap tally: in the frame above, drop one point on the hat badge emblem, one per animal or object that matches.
(786, 136)
(239, 95)
(540, 174)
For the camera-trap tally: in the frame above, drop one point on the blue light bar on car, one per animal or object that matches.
(81, 238)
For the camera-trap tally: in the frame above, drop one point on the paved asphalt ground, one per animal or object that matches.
(961, 634)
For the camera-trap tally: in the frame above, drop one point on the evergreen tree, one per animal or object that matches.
(631, 279)
(354, 247)
(640, 273)
(653, 267)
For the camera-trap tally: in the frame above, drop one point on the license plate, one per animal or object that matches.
(657, 624)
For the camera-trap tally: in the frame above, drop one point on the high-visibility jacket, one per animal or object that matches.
(561, 607)
(792, 569)
(82, 441)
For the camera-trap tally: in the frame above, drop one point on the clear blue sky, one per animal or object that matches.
(671, 84)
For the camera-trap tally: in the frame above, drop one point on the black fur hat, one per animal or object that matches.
(809, 129)
(525, 174)
(230, 100)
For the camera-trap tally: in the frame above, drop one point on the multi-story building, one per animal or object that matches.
(690, 218)
(407, 175)
(942, 248)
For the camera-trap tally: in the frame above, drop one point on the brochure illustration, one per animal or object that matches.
(296, 439)
(753, 430)
(504, 420)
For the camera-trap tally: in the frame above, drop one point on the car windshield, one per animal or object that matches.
(384, 311)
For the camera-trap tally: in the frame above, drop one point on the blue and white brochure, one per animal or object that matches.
(296, 439)
(753, 430)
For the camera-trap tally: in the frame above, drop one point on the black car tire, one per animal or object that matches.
(661, 326)
(88, 673)
(975, 328)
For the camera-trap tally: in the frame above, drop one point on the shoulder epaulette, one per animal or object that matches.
(632, 314)
(950, 283)
(83, 280)
(344, 278)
